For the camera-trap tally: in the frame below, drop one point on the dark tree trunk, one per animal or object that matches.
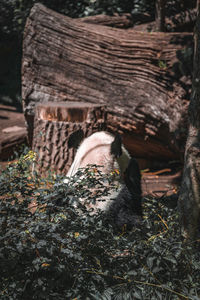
(160, 15)
(189, 200)
(133, 73)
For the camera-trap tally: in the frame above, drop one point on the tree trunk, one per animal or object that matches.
(189, 199)
(134, 74)
(160, 15)
(54, 123)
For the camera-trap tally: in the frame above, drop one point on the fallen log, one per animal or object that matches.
(118, 21)
(11, 141)
(133, 73)
(13, 133)
(182, 22)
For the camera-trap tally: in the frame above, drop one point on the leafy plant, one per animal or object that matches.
(64, 251)
(162, 64)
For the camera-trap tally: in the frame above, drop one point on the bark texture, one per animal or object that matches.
(54, 123)
(133, 73)
(184, 21)
(189, 200)
(117, 21)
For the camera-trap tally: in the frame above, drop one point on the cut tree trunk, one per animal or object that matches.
(133, 73)
(54, 123)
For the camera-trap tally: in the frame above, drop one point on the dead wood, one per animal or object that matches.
(136, 75)
(181, 22)
(118, 21)
(54, 123)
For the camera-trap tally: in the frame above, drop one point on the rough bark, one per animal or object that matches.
(133, 73)
(189, 199)
(118, 21)
(181, 22)
(54, 123)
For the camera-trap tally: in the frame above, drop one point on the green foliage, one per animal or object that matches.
(65, 252)
(162, 64)
(13, 13)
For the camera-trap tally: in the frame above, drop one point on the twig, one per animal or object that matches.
(140, 282)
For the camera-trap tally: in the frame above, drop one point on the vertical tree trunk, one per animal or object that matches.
(189, 199)
(160, 15)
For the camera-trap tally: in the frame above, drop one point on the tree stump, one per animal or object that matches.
(53, 124)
